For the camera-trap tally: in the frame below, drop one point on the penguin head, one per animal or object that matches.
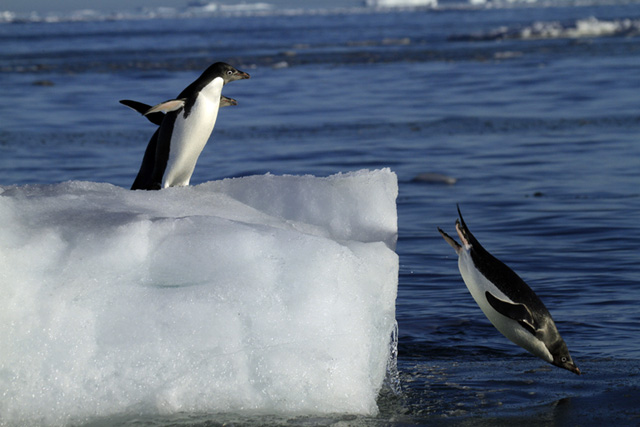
(219, 70)
(226, 72)
(562, 358)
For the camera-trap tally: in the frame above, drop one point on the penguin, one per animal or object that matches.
(186, 127)
(144, 180)
(507, 301)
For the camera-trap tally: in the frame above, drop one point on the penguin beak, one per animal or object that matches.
(242, 75)
(569, 366)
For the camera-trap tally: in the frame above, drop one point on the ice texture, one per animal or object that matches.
(263, 294)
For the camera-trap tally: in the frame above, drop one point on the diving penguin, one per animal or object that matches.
(507, 301)
(186, 127)
(144, 179)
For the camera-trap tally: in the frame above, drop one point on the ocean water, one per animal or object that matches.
(532, 109)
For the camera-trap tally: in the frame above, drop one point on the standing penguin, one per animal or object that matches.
(144, 179)
(507, 301)
(186, 127)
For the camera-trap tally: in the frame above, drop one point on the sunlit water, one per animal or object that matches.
(534, 111)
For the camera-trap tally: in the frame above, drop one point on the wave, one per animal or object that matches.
(582, 28)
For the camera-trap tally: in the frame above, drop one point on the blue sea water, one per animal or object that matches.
(533, 109)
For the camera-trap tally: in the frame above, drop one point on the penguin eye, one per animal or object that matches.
(563, 360)
(229, 72)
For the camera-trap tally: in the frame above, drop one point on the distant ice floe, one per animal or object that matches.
(583, 28)
(192, 10)
(262, 294)
(7, 16)
(401, 3)
(590, 27)
(205, 9)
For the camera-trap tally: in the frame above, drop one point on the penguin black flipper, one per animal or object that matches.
(450, 240)
(518, 312)
(155, 118)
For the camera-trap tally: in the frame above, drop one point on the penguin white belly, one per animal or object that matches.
(191, 134)
(478, 285)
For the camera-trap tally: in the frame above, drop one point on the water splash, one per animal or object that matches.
(392, 380)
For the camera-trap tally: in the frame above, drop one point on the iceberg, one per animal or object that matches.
(263, 294)
(401, 3)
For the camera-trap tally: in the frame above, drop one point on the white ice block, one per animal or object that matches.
(269, 294)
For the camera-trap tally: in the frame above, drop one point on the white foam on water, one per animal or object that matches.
(264, 294)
